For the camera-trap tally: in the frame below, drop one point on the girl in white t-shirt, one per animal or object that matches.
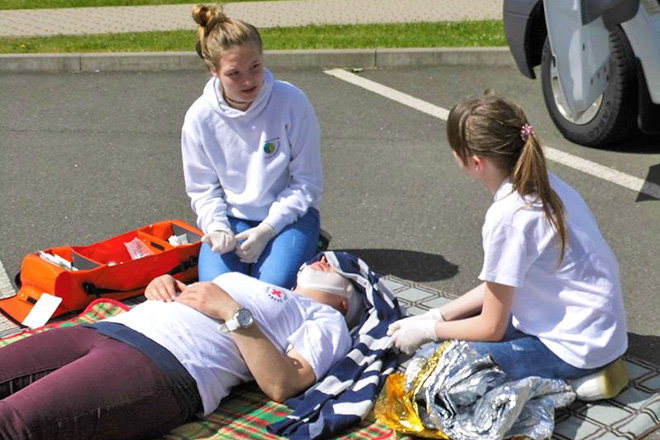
(251, 149)
(550, 304)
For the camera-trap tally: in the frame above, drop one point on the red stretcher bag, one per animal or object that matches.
(108, 269)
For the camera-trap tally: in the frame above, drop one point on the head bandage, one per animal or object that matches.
(335, 284)
(329, 282)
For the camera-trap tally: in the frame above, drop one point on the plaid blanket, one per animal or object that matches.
(244, 415)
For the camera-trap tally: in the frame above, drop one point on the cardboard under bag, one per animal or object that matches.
(117, 268)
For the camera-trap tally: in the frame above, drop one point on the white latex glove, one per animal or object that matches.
(411, 333)
(220, 241)
(251, 243)
(433, 314)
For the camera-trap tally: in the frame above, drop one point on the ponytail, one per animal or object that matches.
(530, 176)
(496, 128)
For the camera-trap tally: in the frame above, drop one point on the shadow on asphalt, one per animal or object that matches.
(645, 347)
(641, 144)
(414, 266)
(652, 177)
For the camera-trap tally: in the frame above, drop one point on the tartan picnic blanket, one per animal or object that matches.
(243, 415)
(632, 415)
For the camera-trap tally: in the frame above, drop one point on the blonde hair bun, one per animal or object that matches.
(216, 33)
(208, 16)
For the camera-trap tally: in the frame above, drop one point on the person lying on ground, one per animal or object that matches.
(142, 373)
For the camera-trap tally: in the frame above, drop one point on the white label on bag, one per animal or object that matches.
(42, 310)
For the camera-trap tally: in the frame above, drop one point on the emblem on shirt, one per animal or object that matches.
(271, 146)
(276, 294)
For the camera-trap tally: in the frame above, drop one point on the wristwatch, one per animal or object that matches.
(241, 319)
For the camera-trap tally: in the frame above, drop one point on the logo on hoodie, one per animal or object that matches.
(270, 147)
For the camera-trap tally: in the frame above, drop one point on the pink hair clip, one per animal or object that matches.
(525, 131)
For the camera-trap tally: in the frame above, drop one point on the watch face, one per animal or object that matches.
(244, 317)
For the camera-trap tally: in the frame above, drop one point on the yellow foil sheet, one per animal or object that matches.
(398, 410)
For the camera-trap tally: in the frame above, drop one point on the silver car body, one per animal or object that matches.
(577, 32)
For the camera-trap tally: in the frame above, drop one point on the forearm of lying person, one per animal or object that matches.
(279, 375)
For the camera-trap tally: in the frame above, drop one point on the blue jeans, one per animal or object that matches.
(521, 355)
(279, 262)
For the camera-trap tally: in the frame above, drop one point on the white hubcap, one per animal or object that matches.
(560, 101)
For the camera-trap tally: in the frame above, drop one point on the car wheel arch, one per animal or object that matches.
(535, 36)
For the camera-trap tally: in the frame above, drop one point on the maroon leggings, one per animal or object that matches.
(74, 383)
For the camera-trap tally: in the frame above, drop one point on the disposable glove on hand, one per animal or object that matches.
(253, 242)
(220, 241)
(411, 333)
(433, 314)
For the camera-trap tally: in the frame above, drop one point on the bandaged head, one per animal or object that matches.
(330, 282)
(335, 284)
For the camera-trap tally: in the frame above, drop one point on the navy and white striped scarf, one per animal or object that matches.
(348, 391)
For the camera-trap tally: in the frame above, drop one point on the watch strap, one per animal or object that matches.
(229, 326)
(233, 323)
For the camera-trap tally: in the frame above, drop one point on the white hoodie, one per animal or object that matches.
(262, 164)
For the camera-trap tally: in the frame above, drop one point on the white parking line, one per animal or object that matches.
(592, 168)
(6, 288)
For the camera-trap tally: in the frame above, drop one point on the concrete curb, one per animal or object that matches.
(294, 59)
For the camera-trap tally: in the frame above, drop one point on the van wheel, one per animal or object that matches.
(613, 117)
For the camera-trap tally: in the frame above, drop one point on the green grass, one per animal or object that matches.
(462, 34)
(52, 4)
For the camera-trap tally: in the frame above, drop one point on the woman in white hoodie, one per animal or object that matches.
(251, 159)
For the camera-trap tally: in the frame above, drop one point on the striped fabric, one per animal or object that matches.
(347, 393)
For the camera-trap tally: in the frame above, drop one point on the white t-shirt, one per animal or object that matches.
(576, 310)
(290, 320)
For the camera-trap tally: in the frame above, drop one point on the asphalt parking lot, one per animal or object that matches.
(88, 156)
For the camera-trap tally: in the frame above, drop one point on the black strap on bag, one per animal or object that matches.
(92, 290)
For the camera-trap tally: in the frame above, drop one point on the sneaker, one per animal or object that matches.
(603, 384)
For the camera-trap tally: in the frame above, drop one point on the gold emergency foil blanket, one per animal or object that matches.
(397, 408)
(453, 392)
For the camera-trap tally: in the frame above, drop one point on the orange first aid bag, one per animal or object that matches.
(117, 268)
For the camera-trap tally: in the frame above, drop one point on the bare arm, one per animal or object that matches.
(467, 305)
(482, 314)
(279, 375)
(489, 325)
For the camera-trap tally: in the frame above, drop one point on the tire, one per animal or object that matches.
(613, 117)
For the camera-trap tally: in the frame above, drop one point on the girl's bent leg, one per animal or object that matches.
(112, 392)
(285, 253)
(522, 355)
(212, 264)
